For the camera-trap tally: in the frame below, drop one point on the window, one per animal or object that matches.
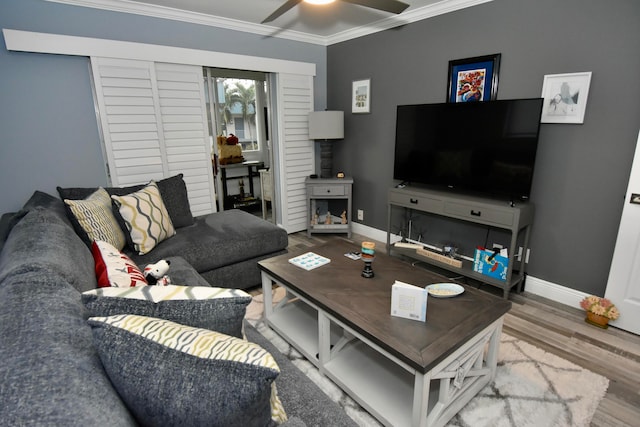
(234, 100)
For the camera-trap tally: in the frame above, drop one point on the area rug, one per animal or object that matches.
(532, 388)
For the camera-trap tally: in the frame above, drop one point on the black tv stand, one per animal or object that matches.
(473, 209)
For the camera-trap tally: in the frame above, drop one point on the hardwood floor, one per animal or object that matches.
(561, 330)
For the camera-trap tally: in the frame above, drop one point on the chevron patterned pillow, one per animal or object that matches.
(95, 215)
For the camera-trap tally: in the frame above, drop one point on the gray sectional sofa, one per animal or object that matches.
(53, 369)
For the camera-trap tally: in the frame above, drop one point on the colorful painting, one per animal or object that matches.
(473, 79)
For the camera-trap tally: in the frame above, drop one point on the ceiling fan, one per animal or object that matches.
(393, 6)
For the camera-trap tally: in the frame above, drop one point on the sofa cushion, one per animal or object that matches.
(220, 239)
(146, 218)
(173, 191)
(207, 378)
(115, 269)
(51, 374)
(220, 310)
(44, 241)
(95, 216)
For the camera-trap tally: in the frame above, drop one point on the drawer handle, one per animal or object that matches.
(476, 213)
(414, 201)
(328, 190)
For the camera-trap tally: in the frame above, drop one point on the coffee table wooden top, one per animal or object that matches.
(365, 304)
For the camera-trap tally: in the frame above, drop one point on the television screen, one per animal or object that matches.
(478, 147)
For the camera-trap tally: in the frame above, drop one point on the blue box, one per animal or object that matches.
(493, 266)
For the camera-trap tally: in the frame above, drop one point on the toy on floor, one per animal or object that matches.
(156, 274)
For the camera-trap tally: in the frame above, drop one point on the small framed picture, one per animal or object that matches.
(565, 97)
(361, 96)
(473, 79)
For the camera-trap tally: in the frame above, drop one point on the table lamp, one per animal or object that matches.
(324, 126)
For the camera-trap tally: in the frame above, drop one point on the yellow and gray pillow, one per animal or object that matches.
(145, 217)
(170, 374)
(95, 216)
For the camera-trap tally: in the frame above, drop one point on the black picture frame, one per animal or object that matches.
(478, 74)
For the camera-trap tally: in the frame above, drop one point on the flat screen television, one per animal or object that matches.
(486, 148)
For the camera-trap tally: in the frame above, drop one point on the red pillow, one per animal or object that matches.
(115, 269)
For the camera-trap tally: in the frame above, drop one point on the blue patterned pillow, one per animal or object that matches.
(171, 374)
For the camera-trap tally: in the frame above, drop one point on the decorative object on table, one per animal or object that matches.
(444, 290)
(309, 261)
(599, 311)
(361, 96)
(473, 79)
(343, 217)
(408, 301)
(327, 219)
(156, 274)
(326, 125)
(565, 97)
(491, 263)
(368, 254)
(229, 151)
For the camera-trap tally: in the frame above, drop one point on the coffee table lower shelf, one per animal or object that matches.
(389, 389)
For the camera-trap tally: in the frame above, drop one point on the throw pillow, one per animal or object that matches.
(146, 217)
(217, 309)
(113, 268)
(173, 191)
(94, 214)
(172, 374)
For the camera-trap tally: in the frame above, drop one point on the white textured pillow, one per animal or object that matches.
(95, 216)
(146, 217)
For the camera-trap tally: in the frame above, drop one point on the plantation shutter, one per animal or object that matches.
(154, 125)
(296, 156)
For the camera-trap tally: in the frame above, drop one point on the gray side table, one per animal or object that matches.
(329, 189)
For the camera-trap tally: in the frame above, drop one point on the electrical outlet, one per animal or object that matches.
(360, 215)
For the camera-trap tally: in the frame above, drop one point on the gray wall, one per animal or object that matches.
(581, 171)
(48, 130)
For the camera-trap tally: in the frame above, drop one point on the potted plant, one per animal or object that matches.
(599, 311)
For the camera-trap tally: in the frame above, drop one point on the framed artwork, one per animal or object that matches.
(473, 79)
(565, 97)
(361, 96)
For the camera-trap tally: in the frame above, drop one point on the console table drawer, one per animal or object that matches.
(328, 190)
(415, 201)
(480, 213)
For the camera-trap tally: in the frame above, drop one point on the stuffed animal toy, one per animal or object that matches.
(156, 274)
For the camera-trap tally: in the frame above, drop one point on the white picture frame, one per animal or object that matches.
(361, 96)
(565, 97)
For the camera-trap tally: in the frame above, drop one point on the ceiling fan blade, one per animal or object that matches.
(282, 9)
(393, 6)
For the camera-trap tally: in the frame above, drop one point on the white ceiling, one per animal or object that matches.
(322, 25)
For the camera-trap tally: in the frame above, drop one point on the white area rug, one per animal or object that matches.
(532, 388)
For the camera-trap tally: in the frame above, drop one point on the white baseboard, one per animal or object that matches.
(533, 285)
(554, 292)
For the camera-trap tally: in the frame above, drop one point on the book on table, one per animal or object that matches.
(309, 261)
(408, 301)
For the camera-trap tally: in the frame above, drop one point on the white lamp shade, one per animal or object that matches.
(326, 125)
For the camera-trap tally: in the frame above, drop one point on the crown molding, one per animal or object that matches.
(144, 9)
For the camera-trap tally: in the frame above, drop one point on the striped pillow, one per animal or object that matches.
(163, 371)
(95, 216)
(217, 309)
(146, 217)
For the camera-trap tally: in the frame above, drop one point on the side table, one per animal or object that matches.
(330, 189)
